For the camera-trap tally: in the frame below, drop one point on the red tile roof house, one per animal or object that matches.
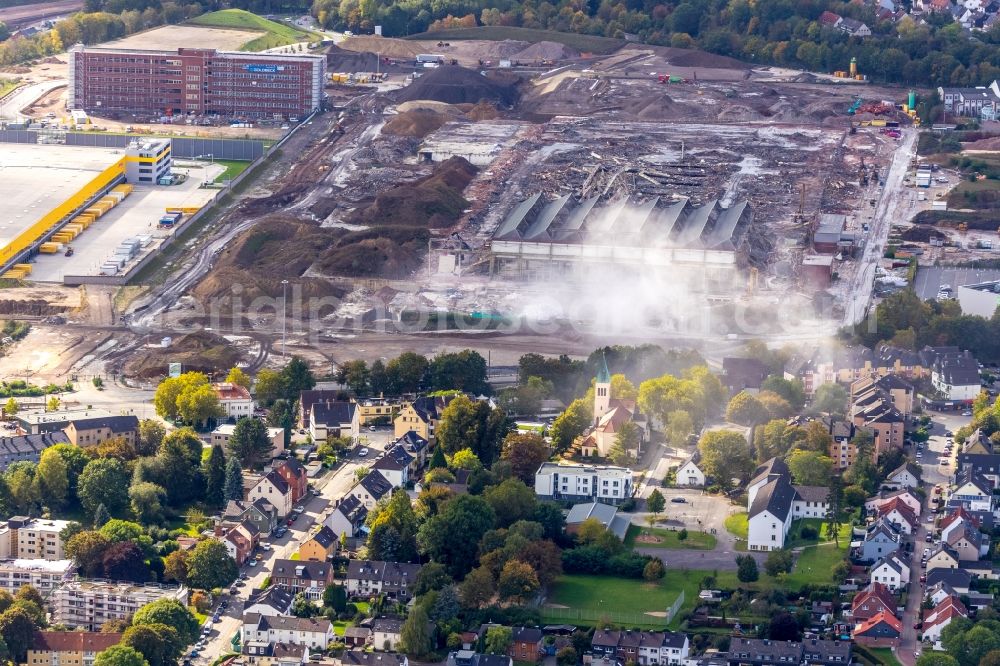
(829, 19)
(936, 619)
(871, 601)
(881, 630)
(295, 476)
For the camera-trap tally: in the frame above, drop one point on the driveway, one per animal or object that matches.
(699, 512)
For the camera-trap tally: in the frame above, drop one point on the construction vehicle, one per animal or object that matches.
(671, 78)
(69, 252)
(854, 107)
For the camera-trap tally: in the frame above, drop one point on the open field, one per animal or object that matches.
(582, 43)
(274, 33)
(626, 601)
(815, 564)
(668, 539)
(233, 169)
(172, 37)
(885, 656)
(6, 85)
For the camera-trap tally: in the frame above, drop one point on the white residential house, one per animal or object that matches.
(689, 473)
(271, 601)
(314, 633)
(941, 616)
(906, 475)
(956, 376)
(395, 465)
(873, 504)
(371, 489)
(348, 517)
(974, 491)
(584, 483)
(773, 503)
(234, 400)
(386, 633)
(272, 488)
(668, 648)
(892, 572)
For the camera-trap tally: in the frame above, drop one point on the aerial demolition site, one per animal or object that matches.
(656, 193)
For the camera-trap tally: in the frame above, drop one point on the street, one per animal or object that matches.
(934, 473)
(332, 486)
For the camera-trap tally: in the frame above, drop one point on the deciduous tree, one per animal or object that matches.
(525, 453)
(210, 566)
(151, 434)
(171, 613)
(53, 479)
(215, 477)
(810, 468)
(725, 455)
(120, 655)
(104, 481)
(415, 636)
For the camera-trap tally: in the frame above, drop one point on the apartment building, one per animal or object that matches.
(44, 575)
(584, 483)
(91, 603)
(32, 538)
(69, 648)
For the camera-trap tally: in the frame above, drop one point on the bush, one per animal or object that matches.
(808, 532)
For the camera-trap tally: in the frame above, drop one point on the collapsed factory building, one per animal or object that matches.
(569, 237)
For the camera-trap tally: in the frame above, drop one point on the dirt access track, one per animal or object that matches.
(16, 17)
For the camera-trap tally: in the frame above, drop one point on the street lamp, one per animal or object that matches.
(284, 320)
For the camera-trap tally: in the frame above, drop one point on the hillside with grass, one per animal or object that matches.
(582, 43)
(273, 34)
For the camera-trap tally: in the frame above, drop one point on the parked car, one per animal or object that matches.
(679, 500)
(363, 452)
(966, 413)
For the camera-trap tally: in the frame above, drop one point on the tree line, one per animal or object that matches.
(774, 32)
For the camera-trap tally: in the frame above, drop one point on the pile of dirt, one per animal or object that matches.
(482, 111)
(199, 352)
(417, 123)
(546, 51)
(918, 234)
(458, 85)
(433, 202)
(341, 60)
(388, 252)
(264, 255)
(692, 58)
(508, 48)
(656, 107)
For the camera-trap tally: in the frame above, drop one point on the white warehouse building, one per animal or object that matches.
(980, 299)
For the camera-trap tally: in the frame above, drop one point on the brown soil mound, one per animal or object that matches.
(917, 234)
(546, 51)
(432, 202)
(390, 252)
(341, 60)
(483, 111)
(264, 255)
(200, 352)
(417, 123)
(458, 85)
(691, 58)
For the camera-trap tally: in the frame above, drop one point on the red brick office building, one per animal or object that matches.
(195, 82)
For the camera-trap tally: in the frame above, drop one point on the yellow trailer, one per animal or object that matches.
(187, 210)
(23, 267)
(96, 212)
(62, 238)
(14, 274)
(878, 122)
(49, 248)
(125, 188)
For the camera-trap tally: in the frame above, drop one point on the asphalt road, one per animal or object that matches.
(11, 107)
(331, 487)
(885, 211)
(934, 473)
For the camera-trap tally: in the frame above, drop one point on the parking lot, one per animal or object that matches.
(929, 280)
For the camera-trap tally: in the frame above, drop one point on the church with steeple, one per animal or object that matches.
(609, 416)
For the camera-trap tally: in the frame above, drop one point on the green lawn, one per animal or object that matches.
(339, 626)
(670, 540)
(795, 539)
(738, 525)
(885, 656)
(233, 169)
(816, 564)
(275, 34)
(6, 85)
(582, 43)
(627, 601)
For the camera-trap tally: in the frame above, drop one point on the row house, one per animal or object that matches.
(641, 647)
(370, 577)
(765, 652)
(69, 648)
(312, 632)
(310, 578)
